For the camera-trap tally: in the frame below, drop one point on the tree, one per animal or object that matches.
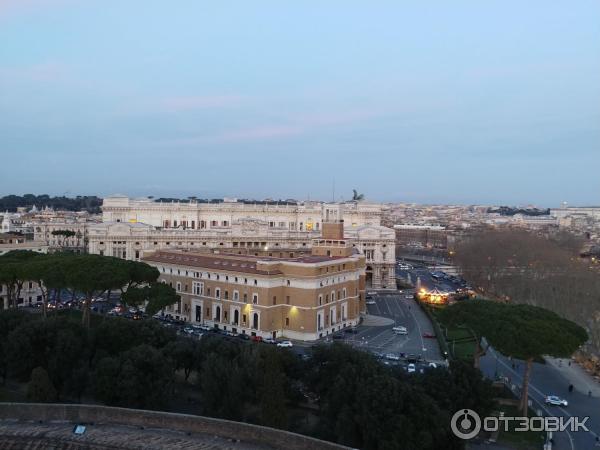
(47, 272)
(521, 331)
(57, 345)
(356, 196)
(272, 393)
(65, 234)
(138, 378)
(40, 388)
(13, 273)
(9, 320)
(183, 355)
(381, 403)
(94, 275)
(155, 296)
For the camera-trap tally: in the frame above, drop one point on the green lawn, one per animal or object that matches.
(531, 440)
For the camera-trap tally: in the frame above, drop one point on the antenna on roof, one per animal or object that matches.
(333, 191)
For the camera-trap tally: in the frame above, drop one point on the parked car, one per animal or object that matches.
(411, 368)
(338, 336)
(287, 344)
(243, 336)
(269, 341)
(256, 338)
(556, 400)
(351, 330)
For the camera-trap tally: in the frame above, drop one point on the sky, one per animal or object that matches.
(474, 102)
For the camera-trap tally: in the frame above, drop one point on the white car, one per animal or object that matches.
(285, 344)
(392, 357)
(400, 330)
(408, 297)
(555, 400)
(370, 302)
(411, 368)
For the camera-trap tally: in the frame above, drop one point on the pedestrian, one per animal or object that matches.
(589, 393)
(570, 388)
(569, 363)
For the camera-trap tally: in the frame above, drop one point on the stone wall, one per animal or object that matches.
(269, 437)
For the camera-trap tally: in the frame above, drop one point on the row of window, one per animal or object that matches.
(204, 224)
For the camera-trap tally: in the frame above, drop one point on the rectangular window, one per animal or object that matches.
(255, 299)
(287, 321)
(274, 300)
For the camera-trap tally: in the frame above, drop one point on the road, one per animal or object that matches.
(375, 335)
(548, 380)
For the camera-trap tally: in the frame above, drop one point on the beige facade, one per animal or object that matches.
(134, 228)
(306, 216)
(43, 232)
(298, 297)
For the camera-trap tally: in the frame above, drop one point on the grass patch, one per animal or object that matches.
(530, 440)
(463, 350)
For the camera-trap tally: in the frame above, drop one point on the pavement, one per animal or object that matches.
(376, 321)
(581, 380)
(390, 309)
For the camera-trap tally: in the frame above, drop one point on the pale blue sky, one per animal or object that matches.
(436, 102)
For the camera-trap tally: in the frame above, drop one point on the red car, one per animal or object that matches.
(429, 335)
(257, 338)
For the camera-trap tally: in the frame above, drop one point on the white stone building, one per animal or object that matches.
(132, 228)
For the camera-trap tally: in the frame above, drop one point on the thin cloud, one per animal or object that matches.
(189, 103)
(298, 126)
(47, 71)
(8, 7)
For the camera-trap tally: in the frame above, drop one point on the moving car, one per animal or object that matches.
(400, 330)
(408, 297)
(411, 368)
(429, 335)
(370, 302)
(556, 400)
(392, 357)
(287, 344)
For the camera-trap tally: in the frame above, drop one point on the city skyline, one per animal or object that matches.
(464, 103)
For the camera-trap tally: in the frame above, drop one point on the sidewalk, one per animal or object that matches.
(576, 375)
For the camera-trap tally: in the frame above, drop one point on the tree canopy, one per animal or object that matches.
(521, 331)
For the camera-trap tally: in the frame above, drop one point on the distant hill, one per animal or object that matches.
(511, 211)
(80, 203)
